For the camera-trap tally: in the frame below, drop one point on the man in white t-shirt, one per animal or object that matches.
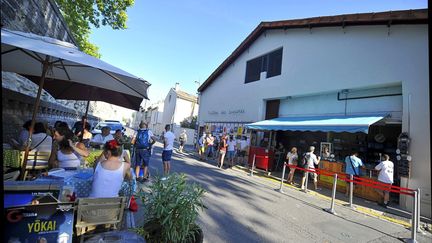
(102, 138)
(169, 138)
(231, 149)
(385, 168)
(241, 151)
(311, 160)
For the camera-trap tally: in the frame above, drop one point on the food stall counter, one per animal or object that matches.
(264, 158)
(365, 192)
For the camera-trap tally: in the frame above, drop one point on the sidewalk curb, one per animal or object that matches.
(359, 209)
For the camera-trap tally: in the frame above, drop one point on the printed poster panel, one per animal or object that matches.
(44, 223)
(239, 131)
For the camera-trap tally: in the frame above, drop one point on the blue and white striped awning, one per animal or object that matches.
(352, 123)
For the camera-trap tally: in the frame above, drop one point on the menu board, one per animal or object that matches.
(50, 222)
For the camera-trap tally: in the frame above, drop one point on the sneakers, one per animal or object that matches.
(384, 205)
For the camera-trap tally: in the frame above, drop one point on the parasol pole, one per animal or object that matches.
(45, 67)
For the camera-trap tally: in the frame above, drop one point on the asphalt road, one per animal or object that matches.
(249, 209)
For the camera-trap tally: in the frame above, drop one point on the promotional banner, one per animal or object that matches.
(43, 223)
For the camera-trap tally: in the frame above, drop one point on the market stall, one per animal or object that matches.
(334, 138)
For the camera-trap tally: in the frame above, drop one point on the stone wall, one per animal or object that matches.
(17, 108)
(41, 17)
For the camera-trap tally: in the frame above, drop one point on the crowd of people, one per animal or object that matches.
(225, 146)
(353, 165)
(69, 147)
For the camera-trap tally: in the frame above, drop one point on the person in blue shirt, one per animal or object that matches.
(352, 167)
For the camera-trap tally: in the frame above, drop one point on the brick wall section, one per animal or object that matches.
(17, 108)
(41, 17)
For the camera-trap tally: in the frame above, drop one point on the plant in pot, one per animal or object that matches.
(170, 210)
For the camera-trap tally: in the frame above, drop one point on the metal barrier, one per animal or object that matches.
(415, 215)
(253, 165)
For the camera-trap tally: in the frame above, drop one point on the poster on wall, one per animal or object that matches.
(51, 222)
(239, 131)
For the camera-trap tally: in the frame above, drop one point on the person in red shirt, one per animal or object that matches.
(222, 150)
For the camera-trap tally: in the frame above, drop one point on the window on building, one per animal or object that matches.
(270, 63)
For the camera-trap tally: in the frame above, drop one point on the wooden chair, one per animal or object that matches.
(37, 161)
(98, 211)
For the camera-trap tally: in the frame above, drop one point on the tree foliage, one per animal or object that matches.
(189, 123)
(81, 14)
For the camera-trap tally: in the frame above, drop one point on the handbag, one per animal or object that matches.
(133, 205)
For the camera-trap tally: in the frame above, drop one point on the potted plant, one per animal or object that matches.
(170, 210)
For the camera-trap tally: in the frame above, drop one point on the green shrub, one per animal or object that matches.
(170, 210)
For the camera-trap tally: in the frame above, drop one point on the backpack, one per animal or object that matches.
(305, 159)
(182, 137)
(143, 139)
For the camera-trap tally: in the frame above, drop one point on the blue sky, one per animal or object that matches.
(169, 41)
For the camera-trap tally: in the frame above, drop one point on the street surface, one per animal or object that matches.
(249, 209)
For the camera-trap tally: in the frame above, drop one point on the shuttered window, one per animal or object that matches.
(270, 63)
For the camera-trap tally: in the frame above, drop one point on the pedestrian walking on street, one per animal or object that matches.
(222, 150)
(231, 149)
(310, 160)
(143, 139)
(210, 145)
(385, 175)
(292, 158)
(241, 152)
(168, 142)
(202, 147)
(352, 167)
(182, 140)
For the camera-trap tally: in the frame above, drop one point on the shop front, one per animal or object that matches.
(334, 138)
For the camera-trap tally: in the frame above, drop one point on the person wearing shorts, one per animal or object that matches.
(222, 150)
(311, 160)
(142, 155)
(231, 150)
(169, 138)
(241, 153)
(386, 168)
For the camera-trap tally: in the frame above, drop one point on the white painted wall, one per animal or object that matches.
(169, 106)
(177, 130)
(327, 60)
(177, 107)
(328, 104)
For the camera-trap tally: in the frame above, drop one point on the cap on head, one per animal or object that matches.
(311, 148)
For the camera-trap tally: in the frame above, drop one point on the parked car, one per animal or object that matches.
(114, 125)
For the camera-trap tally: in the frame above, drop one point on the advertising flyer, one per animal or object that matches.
(43, 223)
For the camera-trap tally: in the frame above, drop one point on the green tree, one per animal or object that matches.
(80, 14)
(189, 123)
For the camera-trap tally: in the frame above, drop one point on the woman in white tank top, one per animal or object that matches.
(109, 174)
(66, 154)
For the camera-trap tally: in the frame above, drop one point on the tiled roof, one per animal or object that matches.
(417, 16)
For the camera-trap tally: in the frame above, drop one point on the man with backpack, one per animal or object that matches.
(143, 140)
(309, 161)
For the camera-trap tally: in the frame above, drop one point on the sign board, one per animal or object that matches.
(50, 222)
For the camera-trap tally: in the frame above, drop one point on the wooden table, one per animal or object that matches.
(361, 191)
